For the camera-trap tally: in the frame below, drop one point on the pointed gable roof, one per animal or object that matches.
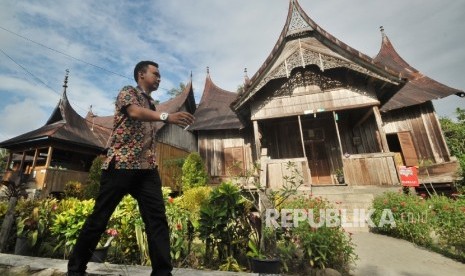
(418, 89)
(65, 125)
(301, 43)
(214, 112)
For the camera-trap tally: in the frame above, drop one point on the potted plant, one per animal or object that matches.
(339, 173)
(262, 246)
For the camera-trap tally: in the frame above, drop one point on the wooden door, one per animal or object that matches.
(318, 162)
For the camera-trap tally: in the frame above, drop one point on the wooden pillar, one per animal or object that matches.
(382, 134)
(338, 135)
(21, 165)
(8, 163)
(49, 157)
(34, 161)
(258, 144)
(302, 136)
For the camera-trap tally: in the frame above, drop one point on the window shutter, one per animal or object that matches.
(408, 148)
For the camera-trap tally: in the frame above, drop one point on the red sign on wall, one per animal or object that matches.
(408, 176)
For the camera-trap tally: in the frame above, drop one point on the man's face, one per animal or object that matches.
(150, 78)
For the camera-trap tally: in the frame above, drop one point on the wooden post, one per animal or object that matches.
(382, 134)
(34, 161)
(302, 136)
(263, 167)
(8, 163)
(258, 144)
(49, 157)
(21, 165)
(338, 135)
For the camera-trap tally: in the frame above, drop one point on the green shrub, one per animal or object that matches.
(68, 222)
(74, 189)
(223, 225)
(93, 181)
(192, 199)
(193, 172)
(306, 246)
(409, 212)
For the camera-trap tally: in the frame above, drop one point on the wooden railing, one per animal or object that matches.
(371, 169)
(273, 171)
(55, 179)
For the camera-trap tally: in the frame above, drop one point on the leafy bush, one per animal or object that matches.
(74, 189)
(223, 225)
(192, 199)
(306, 246)
(93, 181)
(68, 223)
(193, 172)
(409, 213)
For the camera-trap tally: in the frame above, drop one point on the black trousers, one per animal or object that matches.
(145, 187)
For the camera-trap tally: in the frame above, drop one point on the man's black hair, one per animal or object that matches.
(142, 67)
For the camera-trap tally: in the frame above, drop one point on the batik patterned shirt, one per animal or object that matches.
(132, 143)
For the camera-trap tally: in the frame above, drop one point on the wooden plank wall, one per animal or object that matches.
(297, 104)
(212, 145)
(177, 137)
(370, 169)
(422, 122)
(277, 169)
(55, 179)
(168, 174)
(366, 132)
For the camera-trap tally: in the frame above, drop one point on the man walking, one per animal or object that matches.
(130, 168)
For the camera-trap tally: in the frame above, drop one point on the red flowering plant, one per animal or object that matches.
(112, 234)
(178, 221)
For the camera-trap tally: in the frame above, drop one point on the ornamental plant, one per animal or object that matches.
(67, 224)
(305, 247)
(223, 225)
(194, 173)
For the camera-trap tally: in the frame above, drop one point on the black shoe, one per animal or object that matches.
(76, 274)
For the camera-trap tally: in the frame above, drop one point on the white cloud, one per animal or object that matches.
(21, 117)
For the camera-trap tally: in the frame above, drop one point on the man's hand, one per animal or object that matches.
(181, 118)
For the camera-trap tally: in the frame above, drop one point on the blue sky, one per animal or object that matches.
(187, 36)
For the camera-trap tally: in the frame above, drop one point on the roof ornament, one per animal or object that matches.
(381, 28)
(93, 116)
(191, 75)
(208, 70)
(65, 84)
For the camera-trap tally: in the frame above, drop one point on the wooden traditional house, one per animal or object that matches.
(64, 148)
(223, 143)
(60, 151)
(319, 100)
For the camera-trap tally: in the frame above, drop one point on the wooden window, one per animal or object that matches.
(234, 161)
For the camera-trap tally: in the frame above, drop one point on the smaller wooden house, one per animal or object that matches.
(223, 142)
(60, 151)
